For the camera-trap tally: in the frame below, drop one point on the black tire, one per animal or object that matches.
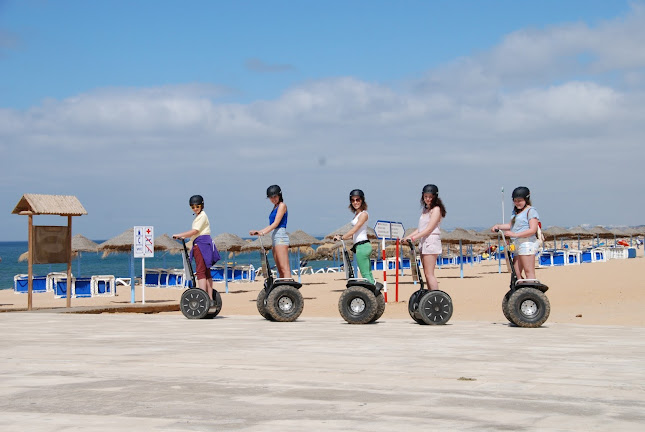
(435, 307)
(380, 307)
(357, 305)
(194, 303)
(413, 305)
(505, 306)
(285, 303)
(218, 305)
(528, 307)
(262, 306)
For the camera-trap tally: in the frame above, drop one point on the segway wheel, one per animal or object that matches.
(505, 306)
(357, 305)
(435, 307)
(285, 303)
(262, 305)
(528, 307)
(194, 303)
(380, 307)
(218, 305)
(413, 306)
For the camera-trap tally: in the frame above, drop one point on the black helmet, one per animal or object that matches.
(431, 189)
(196, 199)
(273, 190)
(357, 192)
(521, 192)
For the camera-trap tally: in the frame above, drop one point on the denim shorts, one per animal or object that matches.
(525, 248)
(280, 237)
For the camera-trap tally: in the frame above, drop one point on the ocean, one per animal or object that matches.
(90, 263)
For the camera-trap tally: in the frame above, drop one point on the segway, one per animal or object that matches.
(362, 302)
(525, 303)
(195, 303)
(280, 299)
(432, 307)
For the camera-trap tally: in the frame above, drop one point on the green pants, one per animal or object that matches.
(363, 252)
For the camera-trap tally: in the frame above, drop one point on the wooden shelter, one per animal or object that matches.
(49, 244)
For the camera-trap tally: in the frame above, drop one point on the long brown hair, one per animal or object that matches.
(363, 206)
(435, 202)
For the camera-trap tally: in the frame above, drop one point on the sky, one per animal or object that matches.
(135, 106)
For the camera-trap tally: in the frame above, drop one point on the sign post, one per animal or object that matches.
(144, 247)
(387, 230)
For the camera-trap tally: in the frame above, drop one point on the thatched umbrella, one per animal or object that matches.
(166, 243)
(601, 232)
(255, 244)
(459, 235)
(80, 243)
(556, 231)
(119, 244)
(300, 239)
(230, 243)
(629, 231)
(123, 243)
(580, 232)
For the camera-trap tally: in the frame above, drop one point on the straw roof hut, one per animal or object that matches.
(229, 242)
(166, 243)
(38, 204)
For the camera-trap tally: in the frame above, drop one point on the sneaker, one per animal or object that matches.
(379, 286)
(212, 303)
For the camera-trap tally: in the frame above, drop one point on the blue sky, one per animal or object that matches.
(152, 101)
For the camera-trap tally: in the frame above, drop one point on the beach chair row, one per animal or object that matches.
(559, 257)
(177, 278)
(98, 285)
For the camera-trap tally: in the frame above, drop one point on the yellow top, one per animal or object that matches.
(201, 224)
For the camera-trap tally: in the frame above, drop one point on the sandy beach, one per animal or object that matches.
(602, 293)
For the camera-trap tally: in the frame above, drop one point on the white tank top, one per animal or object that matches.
(361, 234)
(424, 220)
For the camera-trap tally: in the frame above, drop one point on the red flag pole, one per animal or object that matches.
(397, 269)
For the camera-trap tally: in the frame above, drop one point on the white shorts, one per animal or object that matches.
(525, 248)
(431, 245)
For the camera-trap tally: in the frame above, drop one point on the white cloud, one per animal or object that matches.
(527, 111)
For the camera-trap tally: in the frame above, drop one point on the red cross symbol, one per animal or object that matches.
(148, 230)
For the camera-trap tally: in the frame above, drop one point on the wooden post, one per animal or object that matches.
(69, 261)
(30, 259)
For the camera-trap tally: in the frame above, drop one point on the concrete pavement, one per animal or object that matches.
(163, 372)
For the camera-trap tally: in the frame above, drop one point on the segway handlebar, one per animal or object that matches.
(497, 230)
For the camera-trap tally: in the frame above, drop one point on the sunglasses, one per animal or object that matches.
(356, 200)
(194, 206)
